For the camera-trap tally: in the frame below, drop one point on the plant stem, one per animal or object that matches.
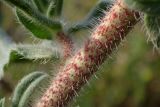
(67, 45)
(78, 70)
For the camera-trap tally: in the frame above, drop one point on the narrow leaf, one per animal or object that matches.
(55, 8)
(23, 85)
(151, 7)
(41, 5)
(96, 13)
(153, 26)
(45, 51)
(35, 14)
(39, 51)
(35, 28)
(29, 91)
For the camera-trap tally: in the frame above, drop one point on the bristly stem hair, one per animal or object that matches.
(78, 70)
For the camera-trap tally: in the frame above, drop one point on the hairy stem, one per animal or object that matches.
(66, 43)
(78, 70)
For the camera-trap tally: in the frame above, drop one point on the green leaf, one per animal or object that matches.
(15, 57)
(2, 102)
(55, 8)
(35, 28)
(34, 52)
(29, 91)
(23, 86)
(93, 16)
(41, 5)
(151, 7)
(153, 26)
(43, 50)
(35, 14)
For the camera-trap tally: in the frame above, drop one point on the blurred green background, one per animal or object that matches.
(130, 78)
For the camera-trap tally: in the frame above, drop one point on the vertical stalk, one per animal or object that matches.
(105, 38)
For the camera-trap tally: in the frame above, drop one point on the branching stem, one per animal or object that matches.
(67, 45)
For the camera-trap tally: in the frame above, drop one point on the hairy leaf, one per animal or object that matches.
(151, 7)
(55, 8)
(41, 5)
(35, 14)
(37, 29)
(23, 85)
(45, 51)
(96, 13)
(38, 51)
(153, 25)
(151, 10)
(29, 91)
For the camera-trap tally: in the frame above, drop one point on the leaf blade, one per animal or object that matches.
(22, 85)
(29, 91)
(35, 28)
(95, 13)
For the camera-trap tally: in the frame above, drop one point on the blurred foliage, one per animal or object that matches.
(129, 79)
(150, 9)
